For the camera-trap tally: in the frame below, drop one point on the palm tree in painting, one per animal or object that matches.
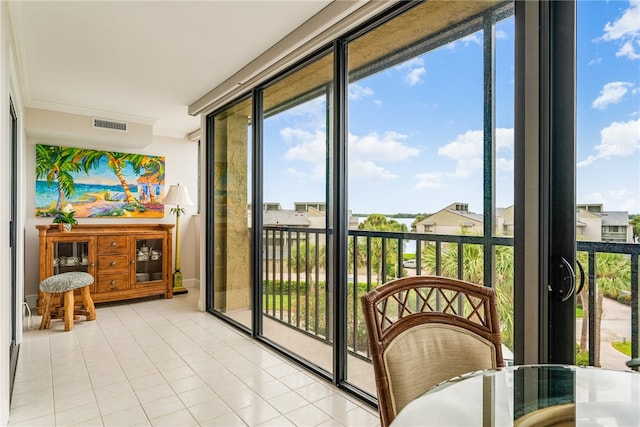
(116, 162)
(56, 164)
(154, 171)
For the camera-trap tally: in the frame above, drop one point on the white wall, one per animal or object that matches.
(9, 88)
(592, 231)
(181, 159)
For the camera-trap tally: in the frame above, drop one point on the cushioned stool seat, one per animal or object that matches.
(65, 284)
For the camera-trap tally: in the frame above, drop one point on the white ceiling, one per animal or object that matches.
(142, 61)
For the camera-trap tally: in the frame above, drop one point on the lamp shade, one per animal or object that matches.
(177, 195)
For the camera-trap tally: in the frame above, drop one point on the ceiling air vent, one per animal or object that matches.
(109, 124)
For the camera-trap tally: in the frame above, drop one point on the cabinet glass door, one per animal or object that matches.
(149, 260)
(71, 256)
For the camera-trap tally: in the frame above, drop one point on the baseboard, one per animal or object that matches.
(191, 283)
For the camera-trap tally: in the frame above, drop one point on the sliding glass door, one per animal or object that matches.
(426, 150)
(229, 256)
(296, 297)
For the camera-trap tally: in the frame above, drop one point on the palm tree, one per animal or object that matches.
(612, 276)
(56, 164)
(473, 271)
(380, 222)
(301, 264)
(116, 162)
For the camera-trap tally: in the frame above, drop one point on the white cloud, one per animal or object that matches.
(504, 165)
(357, 92)
(298, 174)
(414, 76)
(467, 40)
(367, 152)
(429, 180)
(594, 198)
(467, 151)
(471, 38)
(389, 147)
(586, 162)
(620, 194)
(504, 138)
(308, 145)
(611, 93)
(628, 50)
(630, 205)
(615, 200)
(595, 61)
(626, 26)
(627, 30)
(307, 148)
(501, 35)
(618, 139)
(413, 71)
(368, 169)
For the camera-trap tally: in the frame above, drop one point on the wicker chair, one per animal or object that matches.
(551, 416)
(424, 330)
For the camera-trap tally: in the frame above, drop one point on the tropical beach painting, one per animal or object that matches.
(98, 183)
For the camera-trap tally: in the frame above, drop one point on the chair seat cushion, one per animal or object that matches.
(66, 282)
(428, 354)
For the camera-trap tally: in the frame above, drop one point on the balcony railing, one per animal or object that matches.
(295, 280)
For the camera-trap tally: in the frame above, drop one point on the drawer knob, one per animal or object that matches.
(113, 282)
(113, 243)
(113, 263)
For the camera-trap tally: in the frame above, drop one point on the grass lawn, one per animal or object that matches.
(624, 348)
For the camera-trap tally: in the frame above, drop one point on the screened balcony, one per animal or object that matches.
(295, 301)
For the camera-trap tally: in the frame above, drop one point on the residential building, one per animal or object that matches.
(592, 222)
(453, 219)
(596, 224)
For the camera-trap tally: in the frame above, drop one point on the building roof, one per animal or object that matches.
(474, 217)
(615, 218)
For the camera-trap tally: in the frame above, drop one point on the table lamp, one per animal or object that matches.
(178, 196)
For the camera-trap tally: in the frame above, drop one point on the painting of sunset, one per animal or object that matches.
(98, 183)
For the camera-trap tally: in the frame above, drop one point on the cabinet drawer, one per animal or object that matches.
(112, 282)
(108, 264)
(113, 244)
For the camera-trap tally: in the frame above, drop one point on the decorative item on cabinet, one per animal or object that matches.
(110, 253)
(65, 218)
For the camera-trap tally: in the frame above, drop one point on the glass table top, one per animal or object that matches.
(530, 395)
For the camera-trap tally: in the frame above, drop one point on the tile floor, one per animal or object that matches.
(162, 363)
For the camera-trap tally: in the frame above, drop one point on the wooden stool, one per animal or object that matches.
(65, 284)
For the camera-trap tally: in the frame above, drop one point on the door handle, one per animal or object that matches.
(581, 277)
(571, 275)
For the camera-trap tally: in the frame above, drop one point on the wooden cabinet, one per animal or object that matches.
(126, 260)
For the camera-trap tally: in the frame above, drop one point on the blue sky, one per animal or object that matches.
(415, 130)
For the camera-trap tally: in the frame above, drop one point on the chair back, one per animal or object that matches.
(424, 330)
